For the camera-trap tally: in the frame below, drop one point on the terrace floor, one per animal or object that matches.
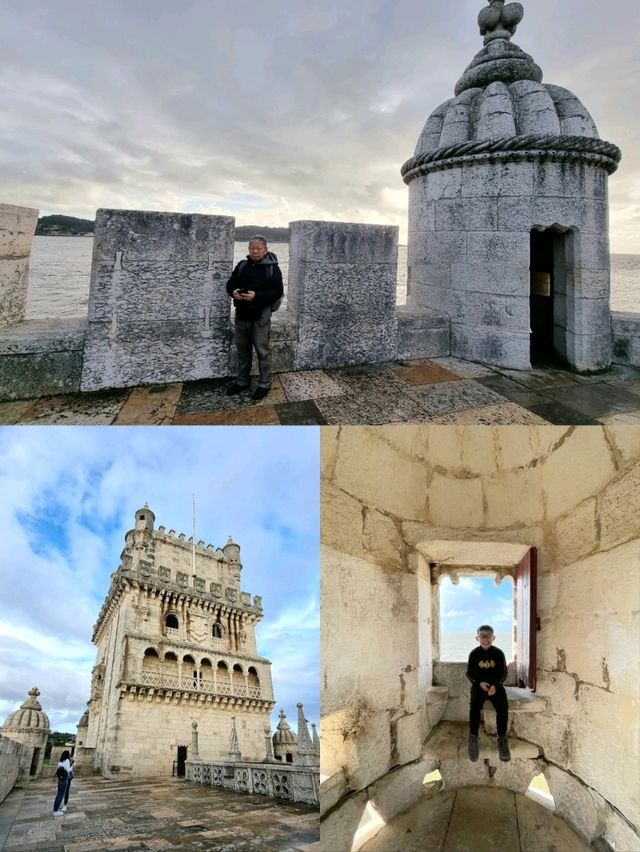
(441, 390)
(153, 813)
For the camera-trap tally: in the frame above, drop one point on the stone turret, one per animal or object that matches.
(29, 725)
(508, 217)
(145, 518)
(285, 742)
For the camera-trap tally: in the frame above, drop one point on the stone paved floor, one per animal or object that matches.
(477, 819)
(142, 814)
(442, 390)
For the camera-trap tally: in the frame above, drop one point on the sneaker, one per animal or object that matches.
(235, 388)
(474, 748)
(64, 809)
(260, 393)
(503, 748)
(58, 813)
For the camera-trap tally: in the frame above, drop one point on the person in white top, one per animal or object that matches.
(63, 773)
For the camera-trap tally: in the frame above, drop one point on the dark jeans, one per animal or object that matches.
(66, 794)
(499, 701)
(62, 788)
(250, 335)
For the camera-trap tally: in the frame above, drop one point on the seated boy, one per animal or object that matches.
(487, 671)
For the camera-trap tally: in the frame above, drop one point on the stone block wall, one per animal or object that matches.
(342, 292)
(11, 756)
(17, 227)
(158, 310)
(469, 256)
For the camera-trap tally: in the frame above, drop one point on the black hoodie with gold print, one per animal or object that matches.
(487, 666)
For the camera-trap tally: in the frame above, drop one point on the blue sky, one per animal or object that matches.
(275, 110)
(69, 494)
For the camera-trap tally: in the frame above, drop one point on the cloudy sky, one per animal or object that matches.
(67, 497)
(277, 110)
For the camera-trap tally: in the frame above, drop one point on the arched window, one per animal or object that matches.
(206, 671)
(253, 679)
(151, 661)
(170, 664)
(171, 622)
(223, 672)
(216, 631)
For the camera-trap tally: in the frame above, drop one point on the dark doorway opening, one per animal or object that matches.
(182, 758)
(542, 279)
(34, 761)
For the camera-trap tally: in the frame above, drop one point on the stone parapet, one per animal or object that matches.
(11, 757)
(278, 781)
(17, 227)
(342, 292)
(41, 358)
(626, 338)
(158, 308)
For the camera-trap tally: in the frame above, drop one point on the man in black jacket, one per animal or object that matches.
(487, 671)
(255, 285)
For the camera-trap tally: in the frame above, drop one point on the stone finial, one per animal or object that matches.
(499, 21)
(268, 745)
(32, 702)
(315, 739)
(306, 752)
(234, 746)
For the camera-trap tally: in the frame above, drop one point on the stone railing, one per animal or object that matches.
(210, 687)
(277, 780)
(158, 309)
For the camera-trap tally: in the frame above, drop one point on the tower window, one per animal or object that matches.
(216, 631)
(171, 621)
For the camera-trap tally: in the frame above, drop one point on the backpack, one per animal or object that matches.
(276, 305)
(61, 773)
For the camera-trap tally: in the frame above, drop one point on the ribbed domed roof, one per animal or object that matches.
(284, 735)
(30, 716)
(503, 110)
(84, 720)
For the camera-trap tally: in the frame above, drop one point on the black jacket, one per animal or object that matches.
(488, 666)
(253, 276)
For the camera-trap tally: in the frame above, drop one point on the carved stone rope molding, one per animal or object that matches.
(515, 148)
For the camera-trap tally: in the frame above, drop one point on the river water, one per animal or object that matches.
(60, 269)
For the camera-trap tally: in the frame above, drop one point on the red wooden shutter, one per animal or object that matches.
(526, 596)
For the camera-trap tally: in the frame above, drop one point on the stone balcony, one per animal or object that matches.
(175, 689)
(273, 779)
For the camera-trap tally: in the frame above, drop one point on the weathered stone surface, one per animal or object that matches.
(437, 697)
(626, 338)
(457, 214)
(158, 311)
(491, 346)
(500, 279)
(142, 353)
(453, 396)
(514, 497)
(342, 242)
(427, 821)
(576, 803)
(421, 334)
(41, 358)
(400, 789)
(337, 830)
(150, 406)
(346, 338)
(464, 507)
(537, 825)
(17, 226)
(574, 534)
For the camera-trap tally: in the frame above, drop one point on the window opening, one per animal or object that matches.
(539, 791)
(464, 607)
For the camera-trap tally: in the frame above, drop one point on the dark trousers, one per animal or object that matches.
(66, 794)
(499, 701)
(62, 789)
(250, 335)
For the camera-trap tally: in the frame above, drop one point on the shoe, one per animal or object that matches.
(235, 388)
(474, 748)
(260, 393)
(58, 813)
(503, 748)
(64, 809)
